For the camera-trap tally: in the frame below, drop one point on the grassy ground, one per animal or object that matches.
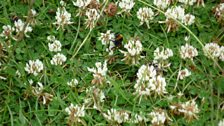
(25, 102)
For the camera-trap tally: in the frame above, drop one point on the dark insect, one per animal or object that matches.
(157, 68)
(118, 40)
(51, 12)
(14, 18)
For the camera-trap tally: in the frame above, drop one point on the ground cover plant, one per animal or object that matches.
(104, 62)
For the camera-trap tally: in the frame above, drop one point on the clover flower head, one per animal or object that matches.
(38, 91)
(188, 2)
(118, 116)
(20, 27)
(145, 14)
(221, 57)
(188, 52)
(126, 5)
(63, 18)
(149, 81)
(58, 59)
(34, 67)
(107, 37)
(183, 73)
(159, 117)
(75, 112)
(81, 3)
(219, 10)
(221, 122)
(211, 50)
(99, 73)
(177, 13)
(189, 109)
(162, 53)
(73, 83)
(162, 4)
(92, 16)
(188, 19)
(55, 46)
(134, 49)
(7, 31)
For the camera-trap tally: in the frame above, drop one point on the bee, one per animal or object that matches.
(118, 40)
(157, 68)
(14, 18)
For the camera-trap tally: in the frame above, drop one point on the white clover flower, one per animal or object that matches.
(62, 3)
(145, 14)
(221, 57)
(33, 12)
(19, 25)
(34, 67)
(134, 49)
(221, 122)
(30, 81)
(158, 85)
(177, 13)
(211, 50)
(162, 4)
(180, 94)
(138, 118)
(101, 96)
(219, 10)
(51, 38)
(75, 112)
(62, 18)
(172, 14)
(188, 19)
(82, 3)
(118, 116)
(146, 72)
(99, 73)
(110, 48)
(100, 69)
(95, 96)
(188, 2)
(162, 54)
(55, 46)
(159, 117)
(148, 82)
(73, 83)
(189, 109)
(126, 5)
(7, 31)
(184, 73)
(58, 59)
(92, 14)
(92, 17)
(107, 37)
(188, 51)
(38, 89)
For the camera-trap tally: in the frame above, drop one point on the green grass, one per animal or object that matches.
(19, 105)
